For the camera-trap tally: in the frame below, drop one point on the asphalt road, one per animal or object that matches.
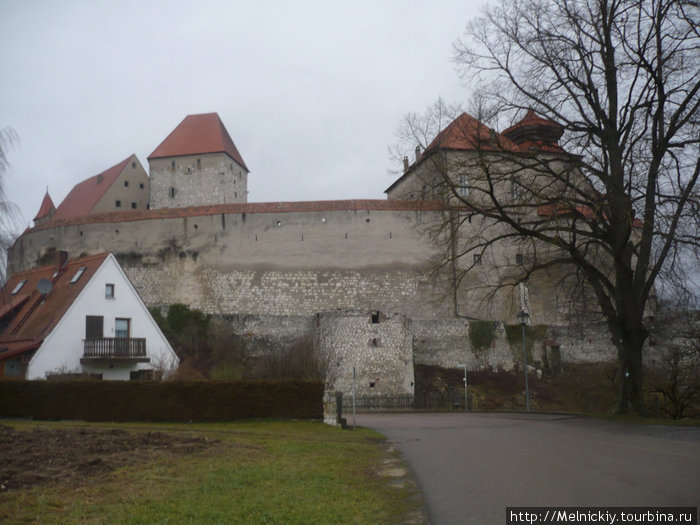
(470, 467)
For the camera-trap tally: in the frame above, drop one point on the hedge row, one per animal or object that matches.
(161, 401)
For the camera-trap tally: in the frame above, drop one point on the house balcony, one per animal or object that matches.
(114, 348)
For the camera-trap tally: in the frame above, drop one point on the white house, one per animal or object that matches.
(79, 316)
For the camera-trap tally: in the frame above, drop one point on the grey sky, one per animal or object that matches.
(311, 92)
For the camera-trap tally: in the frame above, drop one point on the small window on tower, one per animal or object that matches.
(519, 259)
(141, 186)
(172, 192)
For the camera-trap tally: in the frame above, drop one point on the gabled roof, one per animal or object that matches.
(46, 207)
(465, 133)
(33, 315)
(197, 134)
(85, 195)
(469, 134)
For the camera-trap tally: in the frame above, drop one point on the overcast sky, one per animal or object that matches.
(311, 92)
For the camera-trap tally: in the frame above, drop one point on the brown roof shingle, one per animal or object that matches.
(85, 195)
(34, 316)
(46, 207)
(197, 134)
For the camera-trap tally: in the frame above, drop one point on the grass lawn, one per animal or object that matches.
(259, 472)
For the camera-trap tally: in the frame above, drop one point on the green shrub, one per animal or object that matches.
(482, 334)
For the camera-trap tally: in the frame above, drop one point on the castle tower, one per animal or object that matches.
(196, 165)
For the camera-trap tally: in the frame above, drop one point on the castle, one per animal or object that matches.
(352, 273)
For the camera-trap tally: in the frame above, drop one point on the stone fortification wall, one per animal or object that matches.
(495, 345)
(379, 347)
(265, 259)
(197, 180)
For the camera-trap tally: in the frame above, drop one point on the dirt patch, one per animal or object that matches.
(39, 456)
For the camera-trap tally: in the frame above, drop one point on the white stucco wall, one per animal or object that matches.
(63, 347)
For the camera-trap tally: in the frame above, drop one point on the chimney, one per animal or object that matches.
(417, 152)
(405, 164)
(61, 259)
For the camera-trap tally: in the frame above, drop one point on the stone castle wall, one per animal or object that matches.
(197, 180)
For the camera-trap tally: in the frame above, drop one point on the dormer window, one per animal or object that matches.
(78, 274)
(19, 286)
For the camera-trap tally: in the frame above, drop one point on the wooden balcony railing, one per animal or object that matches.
(114, 347)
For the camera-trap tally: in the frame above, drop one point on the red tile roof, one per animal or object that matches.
(196, 134)
(36, 315)
(46, 207)
(249, 208)
(535, 133)
(85, 195)
(467, 133)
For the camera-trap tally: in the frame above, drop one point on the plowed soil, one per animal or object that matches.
(38, 456)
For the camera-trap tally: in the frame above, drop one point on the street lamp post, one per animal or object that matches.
(466, 387)
(523, 317)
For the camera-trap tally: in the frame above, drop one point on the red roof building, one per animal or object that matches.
(122, 187)
(198, 134)
(47, 315)
(46, 210)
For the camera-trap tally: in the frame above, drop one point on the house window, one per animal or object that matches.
(463, 189)
(126, 183)
(133, 206)
(133, 165)
(94, 327)
(172, 192)
(199, 163)
(121, 328)
(145, 375)
(519, 259)
(78, 275)
(118, 204)
(172, 164)
(375, 317)
(141, 186)
(19, 286)
(109, 291)
(477, 259)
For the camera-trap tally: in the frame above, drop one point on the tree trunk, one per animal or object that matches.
(631, 399)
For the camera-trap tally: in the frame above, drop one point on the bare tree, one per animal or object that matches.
(8, 211)
(599, 183)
